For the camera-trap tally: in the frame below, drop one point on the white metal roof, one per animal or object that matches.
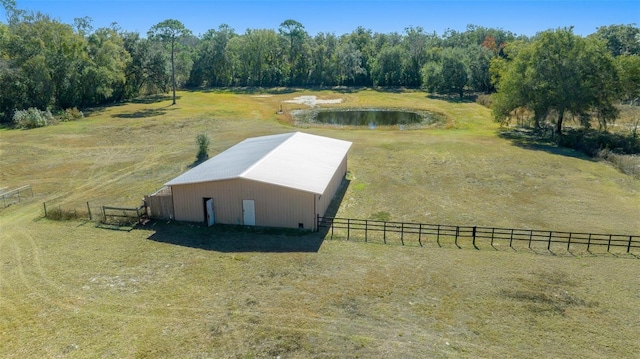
(295, 160)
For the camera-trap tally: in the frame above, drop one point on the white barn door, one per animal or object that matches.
(248, 212)
(211, 220)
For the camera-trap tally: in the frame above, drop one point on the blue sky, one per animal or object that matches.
(341, 17)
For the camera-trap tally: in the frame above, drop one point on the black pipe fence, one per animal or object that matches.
(421, 234)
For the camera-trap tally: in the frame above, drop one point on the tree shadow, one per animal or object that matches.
(451, 98)
(530, 140)
(141, 114)
(152, 99)
(247, 90)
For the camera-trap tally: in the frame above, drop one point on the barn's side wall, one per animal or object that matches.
(332, 188)
(274, 206)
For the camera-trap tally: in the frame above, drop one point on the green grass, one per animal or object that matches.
(70, 289)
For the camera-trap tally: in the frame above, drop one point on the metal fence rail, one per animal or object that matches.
(417, 233)
(15, 195)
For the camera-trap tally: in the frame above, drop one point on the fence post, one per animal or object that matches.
(104, 215)
(438, 237)
(420, 234)
(589, 242)
(511, 239)
(609, 244)
(44, 204)
(457, 234)
(569, 241)
(366, 230)
(493, 231)
(629, 245)
(89, 210)
(332, 227)
(348, 228)
(474, 237)
(384, 232)
(402, 233)
(549, 244)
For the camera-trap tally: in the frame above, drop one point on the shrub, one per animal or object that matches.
(203, 147)
(71, 114)
(484, 100)
(32, 118)
(628, 164)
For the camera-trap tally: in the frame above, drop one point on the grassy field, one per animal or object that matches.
(74, 290)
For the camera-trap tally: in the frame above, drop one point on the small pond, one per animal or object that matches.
(372, 118)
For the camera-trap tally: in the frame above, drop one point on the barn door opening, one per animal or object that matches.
(248, 212)
(209, 217)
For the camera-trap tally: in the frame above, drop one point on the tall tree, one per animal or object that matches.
(559, 73)
(169, 32)
(446, 73)
(620, 39)
(298, 54)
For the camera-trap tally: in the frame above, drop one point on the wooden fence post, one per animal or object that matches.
(530, 237)
(89, 210)
(420, 235)
(44, 204)
(549, 244)
(589, 242)
(629, 245)
(402, 233)
(609, 244)
(438, 236)
(457, 234)
(569, 241)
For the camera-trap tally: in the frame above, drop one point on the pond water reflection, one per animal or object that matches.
(371, 118)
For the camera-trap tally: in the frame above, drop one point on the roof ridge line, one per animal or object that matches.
(266, 155)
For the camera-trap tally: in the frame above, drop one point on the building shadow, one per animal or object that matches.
(233, 238)
(323, 225)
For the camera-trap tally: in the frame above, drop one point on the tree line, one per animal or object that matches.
(49, 65)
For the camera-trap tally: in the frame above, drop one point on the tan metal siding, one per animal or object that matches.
(332, 188)
(274, 206)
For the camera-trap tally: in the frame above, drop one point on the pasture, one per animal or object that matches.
(71, 290)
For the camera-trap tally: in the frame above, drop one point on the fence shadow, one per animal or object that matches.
(232, 238)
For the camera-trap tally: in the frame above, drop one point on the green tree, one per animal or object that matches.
(348, 63)
(212, 65)
(298, 53)
(387, 68)
(620, 39)
(323, 68)
(629, 74)
(446, 73)
(103, 75)
(558, 73)
(169, 32)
